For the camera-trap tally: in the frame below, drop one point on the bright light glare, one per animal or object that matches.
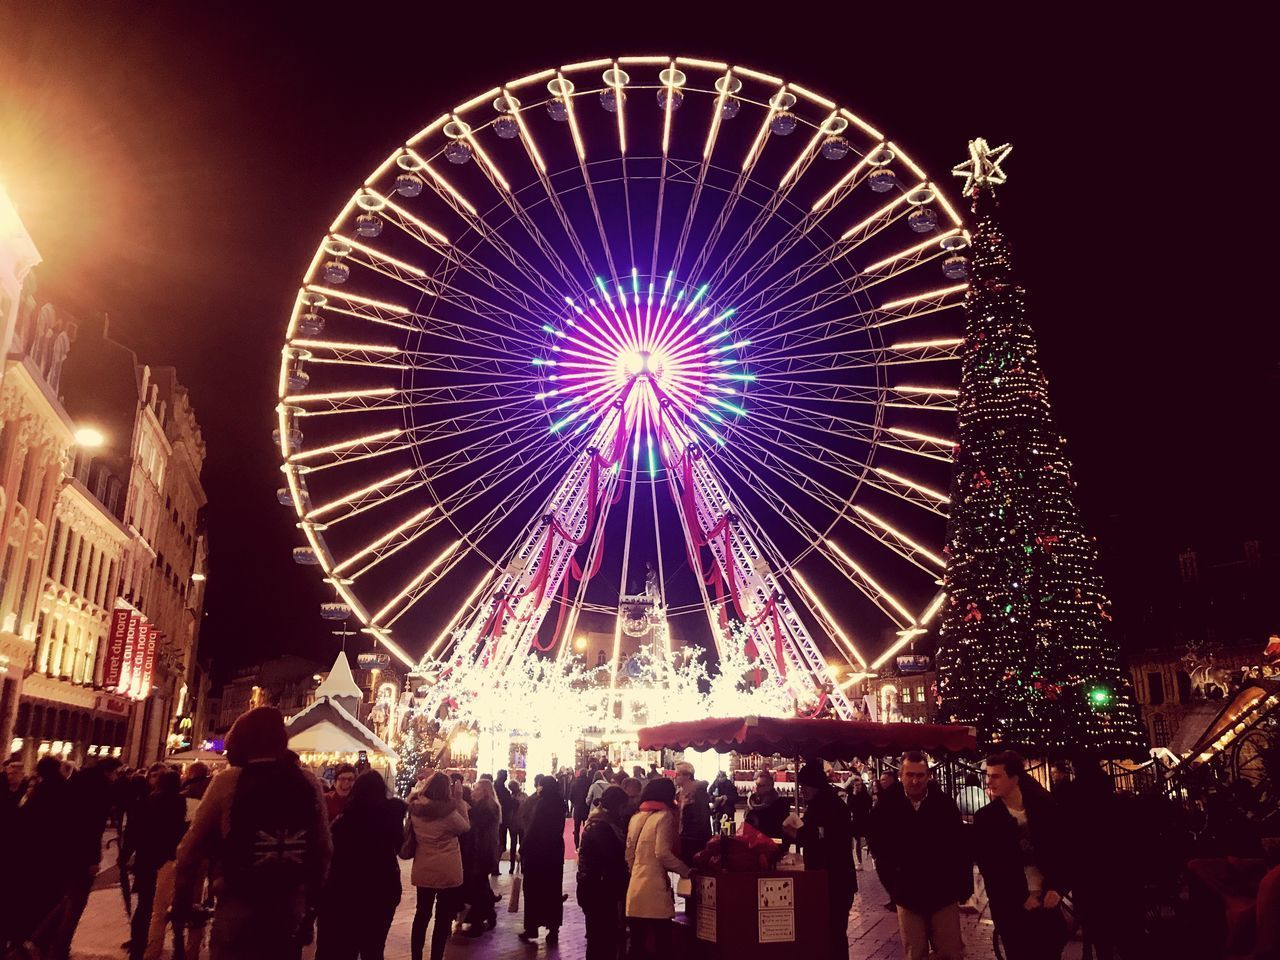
(89, 437)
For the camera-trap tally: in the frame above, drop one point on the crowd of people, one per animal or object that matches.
(280, 859)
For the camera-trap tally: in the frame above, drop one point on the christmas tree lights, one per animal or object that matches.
(1023, 652)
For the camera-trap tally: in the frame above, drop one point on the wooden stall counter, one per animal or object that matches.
(745, 914)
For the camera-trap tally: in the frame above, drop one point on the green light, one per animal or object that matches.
(1100, 696)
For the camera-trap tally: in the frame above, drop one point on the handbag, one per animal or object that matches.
(517, 881)
(409, 844)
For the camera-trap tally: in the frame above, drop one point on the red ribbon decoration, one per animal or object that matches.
(770, 611)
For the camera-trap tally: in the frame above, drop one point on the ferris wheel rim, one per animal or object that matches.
(437, 126)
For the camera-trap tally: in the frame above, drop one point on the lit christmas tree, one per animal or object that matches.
(1023, 653)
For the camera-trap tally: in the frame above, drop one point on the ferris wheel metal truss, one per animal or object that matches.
(637, 356)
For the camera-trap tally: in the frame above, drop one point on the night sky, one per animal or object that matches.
(177, 164)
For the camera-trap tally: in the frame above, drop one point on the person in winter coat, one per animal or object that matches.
(195, 781)
(724, 797)
(515, 822)
(335, 801)
(923, 855)
(1112, 843)
(602, 875)
(42, 844)
(651, 855)
(578, 801)
(542, 862)
(693, 809)
(858, 799)
(631, 786)
(439, 817)
(766, 807)
(826, 839)
(263, 822)
(503, 794)
(92, 794)
(155, 826)
(1020, 844)
(486, 817)
(363, 889)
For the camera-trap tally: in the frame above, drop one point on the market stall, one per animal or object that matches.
(750, 913)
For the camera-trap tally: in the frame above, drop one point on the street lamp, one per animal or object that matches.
(89, 437)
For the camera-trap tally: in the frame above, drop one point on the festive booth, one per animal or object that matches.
(748, 913)
(327, 732)
(802, 737)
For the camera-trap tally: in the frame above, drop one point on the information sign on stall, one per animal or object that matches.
(776, 909)
(707, 909)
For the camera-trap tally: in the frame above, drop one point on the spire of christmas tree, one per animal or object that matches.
(1023, 653)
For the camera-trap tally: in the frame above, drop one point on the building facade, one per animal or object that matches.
(288, 682)
(49, 636)
(1167, 693)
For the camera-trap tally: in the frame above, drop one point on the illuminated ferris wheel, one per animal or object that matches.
(644, 320)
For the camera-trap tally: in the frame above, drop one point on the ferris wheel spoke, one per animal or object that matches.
(415, 278)
(521, 214)
(735, 194)
(839, 560)
(437, 243)
(889, 313)
(765, 213)
(354, 502)
(471, 216)
(755, 272)
(823, 259)
(824, 422)
(788, 574)
(868, 522)
(424, 522)
(713, 130)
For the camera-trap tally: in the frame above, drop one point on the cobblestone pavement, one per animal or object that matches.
(873, 931)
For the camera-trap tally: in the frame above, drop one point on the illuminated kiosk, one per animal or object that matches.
(327, 731)
(640, 328)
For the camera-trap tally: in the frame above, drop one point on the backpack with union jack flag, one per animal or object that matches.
(274, 845)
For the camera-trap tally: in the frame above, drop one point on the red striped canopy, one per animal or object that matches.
(800, 737)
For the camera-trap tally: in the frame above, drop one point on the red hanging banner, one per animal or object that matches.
(139, 659)
(115, 647)
(154, 639)
(127, 654)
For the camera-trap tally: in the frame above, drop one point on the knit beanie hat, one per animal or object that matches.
(257, 734)
(812, 774)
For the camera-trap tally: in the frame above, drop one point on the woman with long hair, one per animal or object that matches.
(542, 861)
(439, 816)
(363, 888)
(486, 816)
(651, 855)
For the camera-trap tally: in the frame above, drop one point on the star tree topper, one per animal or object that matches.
(983, 166)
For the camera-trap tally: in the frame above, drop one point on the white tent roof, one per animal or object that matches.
(341, 734)
(340, 682)
(326, 737)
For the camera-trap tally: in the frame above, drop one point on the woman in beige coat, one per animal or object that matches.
(439, 817)
(651, 845)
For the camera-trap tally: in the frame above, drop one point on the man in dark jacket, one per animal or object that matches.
(92, 796)
(694, 811)
(826, 840)
(507, 806)
(766, 807)
(922, 856)
(724, 797)
(603, 875)
(264, 821)
(1019, 840)
(578, 801)
(43, 845)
